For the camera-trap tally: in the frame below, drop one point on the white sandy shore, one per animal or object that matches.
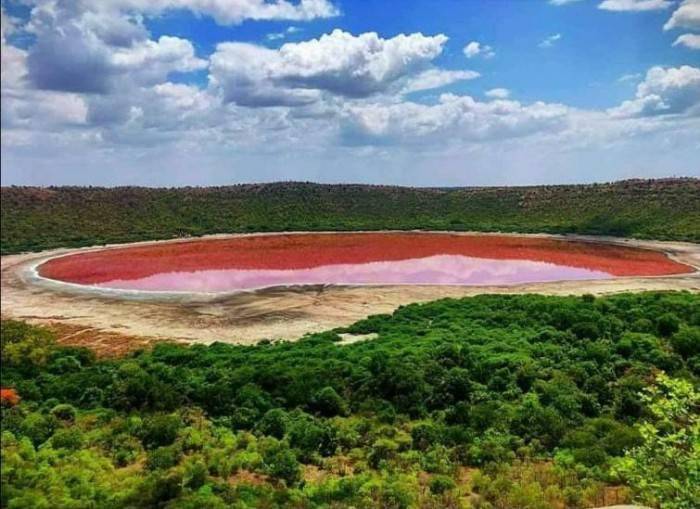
(276, 313)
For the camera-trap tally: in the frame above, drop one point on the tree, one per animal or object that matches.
(440, 484)
(667, 324)
(281, 463)
(328, 403)
(665, 470)
(160, 430)
(8, 397)
(37, 427)
(273, 423)
(687, 341)
(64, 412)
(23, 346)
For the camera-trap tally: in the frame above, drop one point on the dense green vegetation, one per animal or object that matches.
(488, 402)
(41, 218)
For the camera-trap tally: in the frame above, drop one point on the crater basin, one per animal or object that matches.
(260, 261)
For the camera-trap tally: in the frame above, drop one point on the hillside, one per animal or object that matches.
(488, 402)
(42, 218)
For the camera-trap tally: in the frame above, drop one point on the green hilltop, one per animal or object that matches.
(42, 218)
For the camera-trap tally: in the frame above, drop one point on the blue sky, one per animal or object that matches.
(582, 69)
(199, 92)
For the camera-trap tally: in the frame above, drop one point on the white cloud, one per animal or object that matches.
(228, 12)
(664, 91)
(686, 16)
(13, 66)
(97, 51)
(171, 53)
(475, 48)
(625, 78)
(634, 5)
(691, 41)
(338, 63)
(24, 109)
(94, 91)
(436, 78)
(453, 117)
(275, 36)
(550, 41)
(498, 93)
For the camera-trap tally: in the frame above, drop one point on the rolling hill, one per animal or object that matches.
(41, 218)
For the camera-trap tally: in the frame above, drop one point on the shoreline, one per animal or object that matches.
(279, 312)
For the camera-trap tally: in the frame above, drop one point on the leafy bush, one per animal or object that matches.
(507, 401)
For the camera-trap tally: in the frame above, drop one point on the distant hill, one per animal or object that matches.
(40, 218)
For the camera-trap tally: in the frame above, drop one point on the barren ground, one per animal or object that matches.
(113, 325)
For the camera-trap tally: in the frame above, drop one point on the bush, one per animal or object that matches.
(67, 438)
(687, 341)
(424, 435)
(311, 437)
(64, 412)
(160, 430)
(273, 423)
(38, 427)
(195, 473)
(382, 450)
(281, 463)
(440, 484)
(328, 403)
(23, 346)
(667, 325)
(163, 458)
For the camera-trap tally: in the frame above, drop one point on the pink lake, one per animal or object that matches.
(252, 262)
(432, 270)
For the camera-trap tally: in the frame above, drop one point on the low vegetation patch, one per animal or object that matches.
(485, 402)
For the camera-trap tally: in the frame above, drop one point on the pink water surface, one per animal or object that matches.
(434, 270)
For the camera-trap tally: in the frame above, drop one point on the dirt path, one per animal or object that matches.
(286, 313)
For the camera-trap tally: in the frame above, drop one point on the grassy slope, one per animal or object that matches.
(41, 218)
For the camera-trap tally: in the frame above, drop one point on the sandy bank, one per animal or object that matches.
(277, 313)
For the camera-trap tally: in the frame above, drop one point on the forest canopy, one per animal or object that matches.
(485, 402)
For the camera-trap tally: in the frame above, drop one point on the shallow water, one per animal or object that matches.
(244, 263)
(435, 270)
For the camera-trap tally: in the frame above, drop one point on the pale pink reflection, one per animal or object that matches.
(434, 270)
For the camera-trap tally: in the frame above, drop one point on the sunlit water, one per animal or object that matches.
(433, 270)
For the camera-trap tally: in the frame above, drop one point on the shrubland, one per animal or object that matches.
(42, 218)
(485, 402)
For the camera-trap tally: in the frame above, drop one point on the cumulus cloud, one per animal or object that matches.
(498, 93)
(634, 5)
(94, 81)
(92, 52)
(550, 41)
(23, 109)
(338, 63)
(664, 91)
(454, 117)
(475, 48)
(691, 41)
(436, 78)
(13, 65)
(225, 12)
(686, 16)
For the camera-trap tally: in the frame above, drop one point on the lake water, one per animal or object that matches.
(252, 262)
